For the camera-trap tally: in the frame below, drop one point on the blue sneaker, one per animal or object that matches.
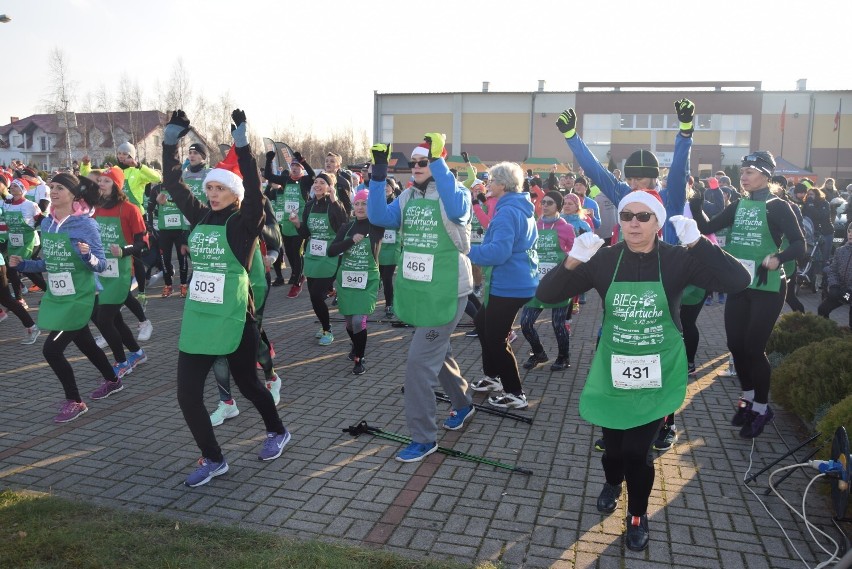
(136, 358)
(458, 418)
(708, 301)
(721, 298)
(274, 445)
(415, 452)
(206, 470)
(326, 339)
(122, 369)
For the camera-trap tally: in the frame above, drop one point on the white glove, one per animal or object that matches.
(585, 246)
(686, 229)
(271, 257)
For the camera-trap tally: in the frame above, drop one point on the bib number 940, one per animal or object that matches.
(636, 372)
(417, 266)
(354, 279)
(207, 287)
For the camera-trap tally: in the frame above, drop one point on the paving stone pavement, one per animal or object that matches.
(133, 451)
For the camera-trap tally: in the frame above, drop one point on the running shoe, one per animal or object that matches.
(319, 334)
(294, 291)
(70, 410)
(183, 289)
(224, 411)
(35, 288)
(666, 438)
(708, 301)
(334, 300)
(415, 452)
(756, 422)
(145, 330)
(721, 298)
(101, 341)
(206, 471)
(458, 417)
(31, 335)
(743, 413)
(358, 368)
(608, 498)
(274, 388)
(167, 291)
(279, 281)
(690, 370)
(534, 360)
(508, 401)
(389, 312)
(136, 358)
(106, 389)
(512, 336)
(471, 334)
(487, 384)
(326, 339)
(561, 363)
(121, 369)
(637, 533)
(274, 445)
(600, 445)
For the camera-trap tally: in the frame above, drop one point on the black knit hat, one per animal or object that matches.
(642, 164)
(760, 160)
(70, 181)
(556, 197)
(200, 148)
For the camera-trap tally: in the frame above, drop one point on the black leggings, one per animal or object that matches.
(133, 306)
(173, 238)
(54, 354)
(10, 303)
(318, 289)
(139, 271)
(628, 457)
(688, 318)
(557, 320)
(749, 318)
(115, 331)
(493, 323)
(386, 272)
(192, 372)
(292, 246)
(792, 295)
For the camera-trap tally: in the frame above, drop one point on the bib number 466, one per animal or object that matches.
(417, 266)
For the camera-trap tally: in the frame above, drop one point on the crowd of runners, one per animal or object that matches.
(654, 247)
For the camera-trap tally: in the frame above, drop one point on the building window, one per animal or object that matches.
(597, 129)
(42, 141)
(735, 130)
(387, 129)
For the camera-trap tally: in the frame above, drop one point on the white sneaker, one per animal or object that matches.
(101, 341)
(274, 388)
(508, 401)
(31, 335)
(145, 330)
(487, 384)
(512, 336)
(222, 412)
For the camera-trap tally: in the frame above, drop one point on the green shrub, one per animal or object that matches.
(839, 415)
(813, 376)
(795, 329)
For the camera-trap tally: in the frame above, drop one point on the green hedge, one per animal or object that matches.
(795, 330)
(839, 415)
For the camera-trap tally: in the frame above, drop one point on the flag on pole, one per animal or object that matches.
(783, 115)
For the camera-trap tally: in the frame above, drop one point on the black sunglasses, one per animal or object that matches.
(548, 202)
(419, 163)
(643, 216)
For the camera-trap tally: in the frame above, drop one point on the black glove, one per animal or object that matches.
(567, 123)
(298, 157)
(481, 197)
(270, 156)
(239, 130)
(176, 128)
(762, 275)
(685, 114)
(380, 152)
(465, 158)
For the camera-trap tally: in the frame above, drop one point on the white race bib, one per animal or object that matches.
(476, 237)
(291, 207)
(722, 240)
(279, 215)
(318, 247)
(544, 268)
(16, 239)
(749, 266)
(354, 279)
(389, 237)
(207, 287)
(156, 223)
(111, 270)
(636, 372)
(61, 284)
(172, 220)
(417, 266)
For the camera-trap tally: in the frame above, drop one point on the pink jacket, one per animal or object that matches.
(563, 230)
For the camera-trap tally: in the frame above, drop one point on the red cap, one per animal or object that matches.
(115, 174)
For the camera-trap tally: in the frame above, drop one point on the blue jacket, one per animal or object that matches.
(674, 196)
(509, 248)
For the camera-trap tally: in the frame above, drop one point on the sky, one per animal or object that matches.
(316, 65)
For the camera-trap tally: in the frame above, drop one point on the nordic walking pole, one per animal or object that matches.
(363, 428)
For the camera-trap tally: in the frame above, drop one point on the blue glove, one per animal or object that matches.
(177, 127)
(240, 131)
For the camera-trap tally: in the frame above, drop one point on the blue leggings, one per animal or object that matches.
(557, 317)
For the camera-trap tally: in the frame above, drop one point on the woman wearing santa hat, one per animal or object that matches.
(639, 372)
(757, 227)
(219, 314)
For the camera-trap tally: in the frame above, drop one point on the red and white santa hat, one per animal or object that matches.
(422, 149)
(227, 172)
(648, 197)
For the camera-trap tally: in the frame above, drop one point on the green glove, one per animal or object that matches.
(381, 152)
(436, 142)
(685, 114)
(567, 123)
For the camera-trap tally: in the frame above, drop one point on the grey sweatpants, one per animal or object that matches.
(430, 362)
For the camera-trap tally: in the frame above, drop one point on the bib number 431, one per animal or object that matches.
(636, 372)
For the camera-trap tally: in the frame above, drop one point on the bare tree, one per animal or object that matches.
(61, 89)
(105, 105)
(179, 93)
(130, 102)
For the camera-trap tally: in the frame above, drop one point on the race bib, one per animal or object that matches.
(279, 215)
(16, 239)
(417, 266)
(722, 240)
(111, 270)
(61, 284)
(476, 237)
(207, 287)
(172, 220)
(318, 247)
(749, 266)
(636, 372)
(544, 268)
(354, 279)
(291, 207)
(156, 223)
(389, 237)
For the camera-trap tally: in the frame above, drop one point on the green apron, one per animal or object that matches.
(215, 311)
(4, 231)
(115, 279)
(639, 371)
(357, 279)
(257, 279)
(169, 216)
(286, 202)
(693, 295)
(750, 242)
(426, 287)
(389, 251)
(550, 254)
(317, 262)
(196, 186)
(21, 236)
(70, 296)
